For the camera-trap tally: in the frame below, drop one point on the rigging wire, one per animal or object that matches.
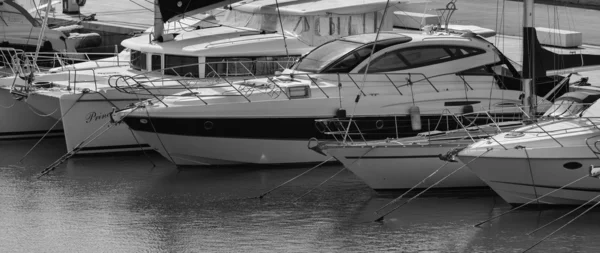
(367, 69)
(287, 53)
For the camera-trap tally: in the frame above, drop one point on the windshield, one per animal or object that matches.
(325, 54)
(565, 108)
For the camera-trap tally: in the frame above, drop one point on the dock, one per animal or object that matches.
(114, 20)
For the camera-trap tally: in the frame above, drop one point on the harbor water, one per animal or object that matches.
(124, 204)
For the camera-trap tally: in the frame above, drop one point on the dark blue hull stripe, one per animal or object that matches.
(371, 128)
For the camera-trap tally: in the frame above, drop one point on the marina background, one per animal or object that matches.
(122, 203)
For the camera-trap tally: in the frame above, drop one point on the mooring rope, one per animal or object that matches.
(49, 130)
(563, 226)
(39, 114)
(403, 194)
(10, 106)
(564, 215)
(292, 179)
(80, 146)
(322, 183)
(531, 175)
(431, 186)
(529, 202)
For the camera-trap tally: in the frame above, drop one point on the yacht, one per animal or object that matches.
(544, 162)
(421, 161)
(411, 79)
(542, 158)
(248, 42)
(20, 31)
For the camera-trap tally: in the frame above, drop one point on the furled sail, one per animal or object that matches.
(175, 9)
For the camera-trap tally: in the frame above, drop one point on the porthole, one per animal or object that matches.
(208, 125)
(379, 124)
(572, 165)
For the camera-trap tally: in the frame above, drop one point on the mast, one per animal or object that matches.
(159, 26)
(529, 49)
(41, 35)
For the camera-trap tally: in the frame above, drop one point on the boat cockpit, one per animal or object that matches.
(572, 104)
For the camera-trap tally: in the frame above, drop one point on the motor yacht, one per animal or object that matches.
(411, 79)
(421, 161)
(548, 157)
(544, 162)
(248, 42)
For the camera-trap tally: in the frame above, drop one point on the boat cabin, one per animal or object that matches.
(249, 39)
(416, 53)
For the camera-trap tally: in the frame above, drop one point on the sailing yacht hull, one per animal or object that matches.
(87, 122)
(403, 167)
(18, 120)
(520, 176)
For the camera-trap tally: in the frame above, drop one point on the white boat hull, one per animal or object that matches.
(87, 117)
(226, 151)
(18, 120)
(403, 167)
(519, 180)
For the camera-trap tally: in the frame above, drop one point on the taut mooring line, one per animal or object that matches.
(71, 153)
(337, 173)
(431, 186)
(93, 136)
(563, 226)
(322, 183)
(49, 130)
(403, 194)
(564, 215)
(292, 179)
(531, 201)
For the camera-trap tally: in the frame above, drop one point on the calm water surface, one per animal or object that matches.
(123, 204)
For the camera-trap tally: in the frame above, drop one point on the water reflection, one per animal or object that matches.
(123, 204)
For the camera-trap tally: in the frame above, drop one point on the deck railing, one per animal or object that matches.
(352, 131)
(249, 85)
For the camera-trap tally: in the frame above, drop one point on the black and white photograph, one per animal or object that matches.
(300, 126)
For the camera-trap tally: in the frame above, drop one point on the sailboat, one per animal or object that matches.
(269, 120)
(548, 158)
(248, 42)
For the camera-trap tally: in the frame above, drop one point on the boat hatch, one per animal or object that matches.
(431, 133)
(298, 91)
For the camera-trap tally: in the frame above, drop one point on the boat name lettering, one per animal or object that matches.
(93, 116)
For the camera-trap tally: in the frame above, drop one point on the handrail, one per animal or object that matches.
(445, 113)
(248, 89)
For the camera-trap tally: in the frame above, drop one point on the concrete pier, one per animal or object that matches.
(118, 19)
(114, 20)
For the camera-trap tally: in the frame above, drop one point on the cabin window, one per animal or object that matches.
(349, 62)
(408, 58)
(388, 62)
(137, 60)
(181, 65)
(156, 62)
(424, 56)
(248, 66)
(325, 54)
